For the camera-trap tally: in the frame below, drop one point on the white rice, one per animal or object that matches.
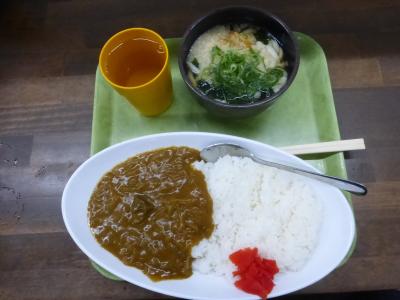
(257, 206)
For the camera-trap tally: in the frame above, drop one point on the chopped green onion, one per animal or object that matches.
(236, 76)
(195, 62)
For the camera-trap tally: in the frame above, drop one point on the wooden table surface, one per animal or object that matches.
(48, 57)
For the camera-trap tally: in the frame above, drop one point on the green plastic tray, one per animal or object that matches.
(304, 114)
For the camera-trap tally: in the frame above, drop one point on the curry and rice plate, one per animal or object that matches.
(170, 214)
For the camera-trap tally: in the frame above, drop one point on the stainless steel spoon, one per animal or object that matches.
(213, 152)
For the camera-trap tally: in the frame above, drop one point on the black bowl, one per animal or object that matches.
(240, 15)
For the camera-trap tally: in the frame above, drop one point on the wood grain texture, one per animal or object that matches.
(48, 56)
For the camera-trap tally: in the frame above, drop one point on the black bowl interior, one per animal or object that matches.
(241, 15)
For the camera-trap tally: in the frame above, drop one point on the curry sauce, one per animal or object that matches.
(150, 210)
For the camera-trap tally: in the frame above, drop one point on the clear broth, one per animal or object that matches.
(135, 62)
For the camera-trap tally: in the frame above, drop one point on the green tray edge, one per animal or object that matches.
(339, 170)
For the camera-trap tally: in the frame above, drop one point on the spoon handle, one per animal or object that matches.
(347, 185)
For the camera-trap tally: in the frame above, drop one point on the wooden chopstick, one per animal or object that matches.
(326, 147)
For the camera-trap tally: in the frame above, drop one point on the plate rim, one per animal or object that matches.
(206, 134)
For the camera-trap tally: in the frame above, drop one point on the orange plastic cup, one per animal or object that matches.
(135, 63)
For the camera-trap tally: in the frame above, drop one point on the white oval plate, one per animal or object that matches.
(336, 235)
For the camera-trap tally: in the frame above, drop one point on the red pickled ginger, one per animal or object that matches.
(256, 274)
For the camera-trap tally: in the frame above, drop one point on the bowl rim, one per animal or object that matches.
(263, 101)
